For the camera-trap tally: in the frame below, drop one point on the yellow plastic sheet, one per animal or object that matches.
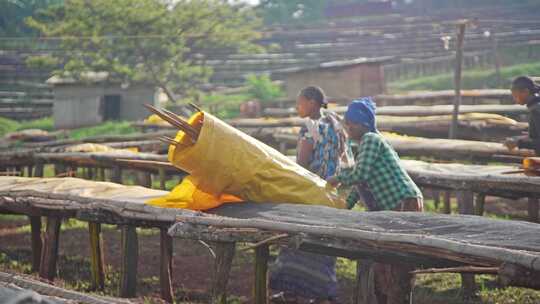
(226, 165)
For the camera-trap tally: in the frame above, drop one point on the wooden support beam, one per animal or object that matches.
(260, 290)
(457, 80)
(447, 202)
(37, 243)
(364, 291)
(49, 253)
(436, 198)
(116, 176)
(102, 174)
(130, 256)
(162, 178)
(222, 267)
(38, 172)
(166, 264)
(466, 206)
(144, 179)
(533, 209)
(97, 257)
(479, 205)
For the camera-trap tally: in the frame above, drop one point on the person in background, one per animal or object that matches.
(383, 184)
(525, 92)
(322, 149)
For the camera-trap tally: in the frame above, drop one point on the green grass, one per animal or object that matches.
(473, 79)
(47, 124)
(107, 128)
(225, 106)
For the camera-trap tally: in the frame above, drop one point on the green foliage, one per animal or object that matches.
(291, 11)
(262, 88)
(7, 125)
(46, 123)
(14, 12)
(108, 128)
(156, 41)
(473, 79)
(224, 106)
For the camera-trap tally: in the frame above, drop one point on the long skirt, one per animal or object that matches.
(307, 275)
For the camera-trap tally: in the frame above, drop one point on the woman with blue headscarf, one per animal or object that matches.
(378, 177)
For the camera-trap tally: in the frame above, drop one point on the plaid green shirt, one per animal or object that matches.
(377, 167)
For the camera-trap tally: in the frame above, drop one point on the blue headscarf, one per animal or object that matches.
(362, 111)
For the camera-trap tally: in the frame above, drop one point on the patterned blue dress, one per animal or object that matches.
(303, 274)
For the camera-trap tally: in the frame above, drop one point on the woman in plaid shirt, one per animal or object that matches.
(383, 184)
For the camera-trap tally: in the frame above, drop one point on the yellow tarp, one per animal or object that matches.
(227, 165)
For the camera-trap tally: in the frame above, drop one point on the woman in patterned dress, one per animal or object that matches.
(322, 149)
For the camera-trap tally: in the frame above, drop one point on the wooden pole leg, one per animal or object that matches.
(130, 256)
(480, 202)
(222, 267)
(260, 290)
(436, 198)
(468, 286)
(49, 253)
(533, 209)
(97, 258)
(447, 205)
(116, 175)
(38, 172)
(466, 206)
(144, 179)
(162, 179)
(37, 242)
(364, 291)
(166, 245)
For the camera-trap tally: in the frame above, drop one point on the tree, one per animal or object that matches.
(162, 42)
(291, 11)
(13, 13)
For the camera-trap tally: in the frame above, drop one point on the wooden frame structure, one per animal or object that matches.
(359, 235)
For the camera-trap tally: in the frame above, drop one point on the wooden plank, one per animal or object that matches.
(466, 206)
(222, 267)
(37, 243)
(260, 290)
(96, 256)
(130, 257)
(166, 264)
(49, 254)
(364, 291)
(533, 206)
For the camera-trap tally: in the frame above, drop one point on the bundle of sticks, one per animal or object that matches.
(191, 132)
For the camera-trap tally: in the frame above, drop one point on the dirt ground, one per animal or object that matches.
(192, 262)
(191, 270)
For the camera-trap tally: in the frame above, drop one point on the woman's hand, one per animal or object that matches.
(333, 181)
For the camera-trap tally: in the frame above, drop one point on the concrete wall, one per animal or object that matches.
(79, 105)
(342, 83)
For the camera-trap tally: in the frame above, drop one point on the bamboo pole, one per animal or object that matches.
(457, 79)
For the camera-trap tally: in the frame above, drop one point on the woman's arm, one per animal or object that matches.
(304, 152)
